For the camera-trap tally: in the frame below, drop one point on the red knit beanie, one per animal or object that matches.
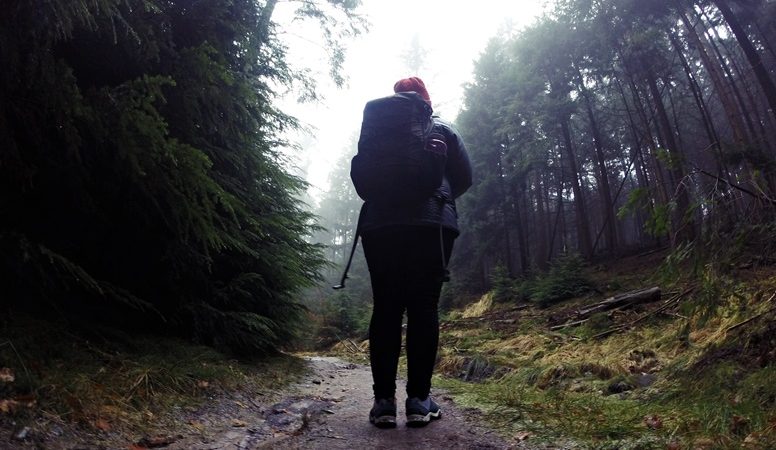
(412, 84)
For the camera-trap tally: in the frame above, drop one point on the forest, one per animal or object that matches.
(606, 128)
(146, 187)
(610, 127)
(143, 183)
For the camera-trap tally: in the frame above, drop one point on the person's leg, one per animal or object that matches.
(424, 287)
(382, 251)
(385, 341)
(422, 337)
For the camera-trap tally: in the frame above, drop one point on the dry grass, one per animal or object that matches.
(480, 307)
(136, 385)
(710, 360)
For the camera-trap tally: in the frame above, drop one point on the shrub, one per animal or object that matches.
(564, 280)
(504, 287)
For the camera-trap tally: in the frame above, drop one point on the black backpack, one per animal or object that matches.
(400, 158)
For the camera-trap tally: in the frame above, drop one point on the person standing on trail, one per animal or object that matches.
(407, 244)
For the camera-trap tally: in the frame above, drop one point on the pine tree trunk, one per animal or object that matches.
(636, 155)
(265, 20)
(521, 210)
(583, 226)
(731, 109)
(767, 85)
(752, 141)
(610, 223)
(708, 125)
(505, 222)
(556, 227)
(684, 227)
(753, 105)
(541, 225)
(723, 63)
(653, 165)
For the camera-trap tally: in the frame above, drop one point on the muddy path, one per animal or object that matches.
(328, 409)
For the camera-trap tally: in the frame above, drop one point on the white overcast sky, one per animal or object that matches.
(452, 32)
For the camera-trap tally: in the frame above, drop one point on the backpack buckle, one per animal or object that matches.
(436, 144)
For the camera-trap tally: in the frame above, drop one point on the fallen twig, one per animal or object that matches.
(564, 337)
(668, 303)
(740, 324)
(672, 314)
(607, 332)
(358, 349)
(328, 436)
(568, 324)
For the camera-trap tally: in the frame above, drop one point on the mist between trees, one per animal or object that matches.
(614, 126)
(607, 128)
(143, 188)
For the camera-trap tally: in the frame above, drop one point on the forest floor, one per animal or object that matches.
(693, 368)
(325, 408)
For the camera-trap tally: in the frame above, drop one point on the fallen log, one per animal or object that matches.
(622, 300)
(668, 303)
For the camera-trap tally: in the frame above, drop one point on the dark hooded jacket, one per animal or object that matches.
(439, 209)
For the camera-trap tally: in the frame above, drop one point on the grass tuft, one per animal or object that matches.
(483, 305)
(134, 385)
(698, 375)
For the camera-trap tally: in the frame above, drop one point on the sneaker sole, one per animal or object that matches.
(383, 421)
(419, 420)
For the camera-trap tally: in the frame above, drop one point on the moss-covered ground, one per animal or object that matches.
(692, 370)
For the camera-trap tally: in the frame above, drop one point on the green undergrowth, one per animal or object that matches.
(551, 415)
(700, 374)
(121, 382)
(564, 279)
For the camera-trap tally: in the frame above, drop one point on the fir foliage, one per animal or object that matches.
(141, 179)
(565, 279)
(659, 110)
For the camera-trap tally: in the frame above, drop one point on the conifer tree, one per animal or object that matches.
(142, 181)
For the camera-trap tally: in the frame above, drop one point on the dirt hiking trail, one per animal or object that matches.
(328, 409)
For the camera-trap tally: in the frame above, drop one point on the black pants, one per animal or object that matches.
(405, 266)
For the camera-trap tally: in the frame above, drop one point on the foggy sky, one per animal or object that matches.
(452, 35)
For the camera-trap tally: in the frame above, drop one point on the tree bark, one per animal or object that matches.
(708, 125)
(541, 223)
(610, 224)
(505, 207)
(583, 226)
(730, 107)
(684, 228)
(627, 299)
(558, 213)
(265, 20)
(767, 85)
(710, 32)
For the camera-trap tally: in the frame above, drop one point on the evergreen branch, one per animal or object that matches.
(763, 197)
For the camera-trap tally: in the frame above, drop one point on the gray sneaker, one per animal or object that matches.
(383, 413)
(421, 412)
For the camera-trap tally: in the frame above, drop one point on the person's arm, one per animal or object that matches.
(459, 168)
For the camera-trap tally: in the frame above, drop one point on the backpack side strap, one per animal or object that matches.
(341, 284)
